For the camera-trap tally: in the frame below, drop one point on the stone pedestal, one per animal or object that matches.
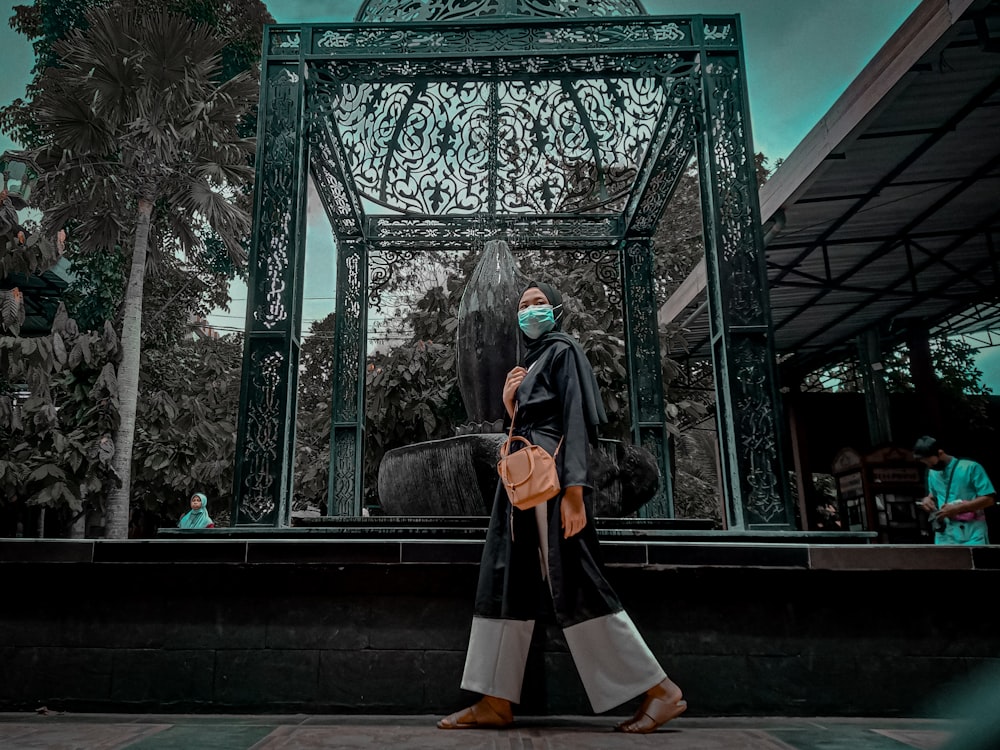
(457, 477)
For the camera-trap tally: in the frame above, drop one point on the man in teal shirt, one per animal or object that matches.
(958, 492)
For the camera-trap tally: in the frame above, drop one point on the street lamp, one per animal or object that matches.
(20, 174)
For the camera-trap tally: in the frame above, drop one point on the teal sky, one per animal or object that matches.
(801, 55)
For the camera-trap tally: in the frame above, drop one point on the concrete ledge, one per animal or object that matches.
(365, 627)
(618, 551)
(924, 557)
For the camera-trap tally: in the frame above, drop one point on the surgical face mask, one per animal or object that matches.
(938, 466)
(536, 320)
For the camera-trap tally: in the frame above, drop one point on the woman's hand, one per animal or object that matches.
(514, 378)
(574, 517)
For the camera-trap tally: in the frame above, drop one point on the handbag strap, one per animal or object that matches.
(510, 434)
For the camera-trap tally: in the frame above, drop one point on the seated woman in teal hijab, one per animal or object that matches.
(197, 517)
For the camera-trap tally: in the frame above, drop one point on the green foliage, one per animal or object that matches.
(58, 395)
(130, 102)
(953, 359)
(36, 255)
(955, 367)
(186, 428)
(136, 111)
(95, 293)
(46, 22)
(58, 408)
(140, 148)
(412, 388)
(173, 296)
(313, 424)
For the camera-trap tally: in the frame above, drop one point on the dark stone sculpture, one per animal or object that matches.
(452, 477)
(457, 476)
(487, 334)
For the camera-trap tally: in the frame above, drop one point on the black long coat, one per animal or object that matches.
(549, 406)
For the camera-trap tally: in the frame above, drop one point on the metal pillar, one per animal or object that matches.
(918, 346)
(876, 394)
(348, 428)
(266, 430)
(742, 346)
(642, 344)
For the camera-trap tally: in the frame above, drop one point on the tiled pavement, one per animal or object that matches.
(26, 731)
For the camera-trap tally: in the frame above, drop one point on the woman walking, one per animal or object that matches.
(554, 397)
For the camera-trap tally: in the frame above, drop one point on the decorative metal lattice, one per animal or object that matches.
(563, 147)
(381, 265)
(263, 467)
(273, 253)
(263, 435)
(379, 41)
(740, 314)
(344, 495)
(435, 125)
(379, 11)
(645, 371)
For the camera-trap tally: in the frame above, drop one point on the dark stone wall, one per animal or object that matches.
(337, 635)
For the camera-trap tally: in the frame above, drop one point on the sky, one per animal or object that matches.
(800, 56)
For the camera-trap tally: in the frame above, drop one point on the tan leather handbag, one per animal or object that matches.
(529, 475)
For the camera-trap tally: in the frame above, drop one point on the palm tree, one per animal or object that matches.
(141, 148)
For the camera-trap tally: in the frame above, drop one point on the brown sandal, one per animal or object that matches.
(652, 714)
(480, 715)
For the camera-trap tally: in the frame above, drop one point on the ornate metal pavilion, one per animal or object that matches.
(430, 125)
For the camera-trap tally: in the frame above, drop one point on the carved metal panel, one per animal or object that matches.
(336, 191)
(430, 148)
(666, 161)
(566, 135)
(527, 37)
(642, 346)
(375, 11)
(346, 459)
(263, 478)
(738, 298)
(461, 232)
(270, 294)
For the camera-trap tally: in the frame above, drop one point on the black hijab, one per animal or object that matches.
(593, 408)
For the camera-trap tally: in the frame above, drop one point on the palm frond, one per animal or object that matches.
(137, 109)
(196, 198)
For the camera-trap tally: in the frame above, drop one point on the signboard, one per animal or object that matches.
(896, 475)
(850, 485)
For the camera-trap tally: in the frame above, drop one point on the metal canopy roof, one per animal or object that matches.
(887, 214)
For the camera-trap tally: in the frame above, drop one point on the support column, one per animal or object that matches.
(266, 430)
(642, 343)
(742, 344)
(347, 435)
(804, 487)
(918, 344)
(876, 394)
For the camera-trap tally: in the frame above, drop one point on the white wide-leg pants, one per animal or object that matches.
(613, 660)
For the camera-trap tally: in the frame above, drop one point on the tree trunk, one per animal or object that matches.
(117, 511)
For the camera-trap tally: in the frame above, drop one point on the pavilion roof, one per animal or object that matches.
(886, 215)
